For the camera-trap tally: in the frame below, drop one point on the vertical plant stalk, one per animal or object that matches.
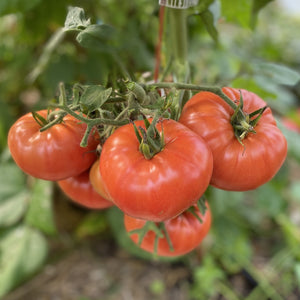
(178, 34)
(159, 43)
(178, 51)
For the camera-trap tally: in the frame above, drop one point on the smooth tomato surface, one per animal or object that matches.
(236, 167)
(163, 186)
(185, 232)
(53, 154)
(80, 190)
(97, 181)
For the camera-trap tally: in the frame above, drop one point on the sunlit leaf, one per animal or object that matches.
(23, 251)
(276, 73)
(247, 83)
(40, 212)
(13, 194)
(256, 7)
(237, 11)
(76, 19)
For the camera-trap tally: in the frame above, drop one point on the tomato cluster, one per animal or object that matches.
(156, 170)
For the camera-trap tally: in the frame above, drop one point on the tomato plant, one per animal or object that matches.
(238, 164)
(53, 154)
(161, 187)
(80, 190)
(179, 235)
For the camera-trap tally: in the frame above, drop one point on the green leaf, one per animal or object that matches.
(293, 141)
(14, 6)
(93, 97)
(13, 194)
(209, 18)
(268, 199)
(237, 11)
(96, 37)
(40, 212)
(297, 272)
(295, 191)
(94, 223)
(256, 7)
(205, 278)
(76, 19)
(250, 84)
(278, 74)
(23, 251)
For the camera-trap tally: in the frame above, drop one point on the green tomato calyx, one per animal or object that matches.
(159, 230)
(150, 139)
(243, 123)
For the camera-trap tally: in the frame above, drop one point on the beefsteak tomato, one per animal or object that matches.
(80, 190)
(237, 167)
(162, 187)
(55, 153)
(97, 181)
(185, 233)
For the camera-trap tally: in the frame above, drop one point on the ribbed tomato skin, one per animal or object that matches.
(80, 190)
(185, 233)
(55, 153)
(165, 185)
(236, 167)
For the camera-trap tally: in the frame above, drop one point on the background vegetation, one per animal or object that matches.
(253, 250)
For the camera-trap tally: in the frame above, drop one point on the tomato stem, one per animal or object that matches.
(187, 86)
(160, 231)
(162, 226)
(39, 119)
(150, 139)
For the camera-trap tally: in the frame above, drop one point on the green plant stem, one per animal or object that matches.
(178, 34)
(92, 122)
(187, 86)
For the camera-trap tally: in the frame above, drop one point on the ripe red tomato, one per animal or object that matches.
(80, 190)
(165, 185)
(53, 154)
(185, 232)
(236, 167)
(97, 181)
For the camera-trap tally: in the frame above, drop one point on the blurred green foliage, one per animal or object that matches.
(255, 234)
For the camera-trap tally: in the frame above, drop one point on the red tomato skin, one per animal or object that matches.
(54, 154)
(97, 181)
(236, 168)
(80, 191)
(185, 232)
(162, 187)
